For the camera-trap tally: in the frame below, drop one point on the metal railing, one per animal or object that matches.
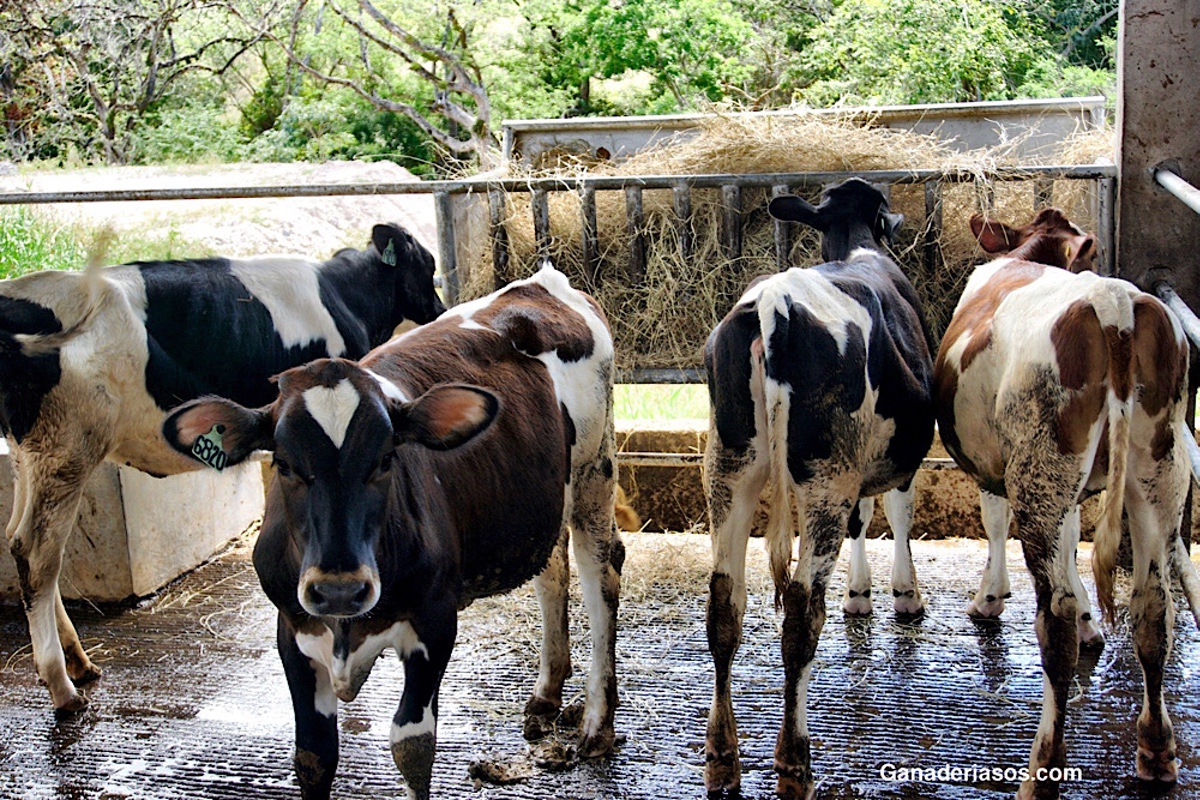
(1190, 196)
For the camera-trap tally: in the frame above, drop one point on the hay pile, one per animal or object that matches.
(663, 321)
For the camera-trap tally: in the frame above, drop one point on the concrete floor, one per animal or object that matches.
(193, 701)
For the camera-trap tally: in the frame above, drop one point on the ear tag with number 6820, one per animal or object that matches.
(208, 449)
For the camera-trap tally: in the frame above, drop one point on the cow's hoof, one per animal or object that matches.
(1162, 766)
(1090, 635)
(908, 602)
(986, 607)
(75, 703)
(595, 745)
(722, 773)
(790, 788)
(857, 604)
(540, 716)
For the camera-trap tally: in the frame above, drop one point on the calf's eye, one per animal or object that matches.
(282, 467)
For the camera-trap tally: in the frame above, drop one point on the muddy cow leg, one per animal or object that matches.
(732, 483)
(858, 577)
(1152, 618)
(1090, 635)
(79, 667)
(599, 556)
(1056, 623)
(994, 587)
(414, 728)
(803, 599)
(552, 587)
(906, 593)
(315, 708)
(37, 532)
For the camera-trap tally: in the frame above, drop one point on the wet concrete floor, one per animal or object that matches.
(193, 701)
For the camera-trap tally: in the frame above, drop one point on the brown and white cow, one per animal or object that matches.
(444, 466)
(90, 363)
(1051, 385)
(819, 380)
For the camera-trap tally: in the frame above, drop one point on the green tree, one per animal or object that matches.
(918, 51)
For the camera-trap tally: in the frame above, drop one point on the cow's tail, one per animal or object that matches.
(1185, 570)
(1114, 307)
(95, 287)
(779, 533)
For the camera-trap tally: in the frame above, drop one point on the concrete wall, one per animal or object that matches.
(136, 533)
(1039, 124)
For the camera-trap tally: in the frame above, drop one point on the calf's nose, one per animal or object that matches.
(338, 598)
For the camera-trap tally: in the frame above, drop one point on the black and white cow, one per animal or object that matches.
(820, 382)
(443, 467)
(89, 364)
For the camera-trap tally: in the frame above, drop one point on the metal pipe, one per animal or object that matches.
(601, 182)
(1187, 319)
(681, 460)
(1193, 449)
(1182, 190)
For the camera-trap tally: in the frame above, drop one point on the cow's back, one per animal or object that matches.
(853, 351)
(534, 346)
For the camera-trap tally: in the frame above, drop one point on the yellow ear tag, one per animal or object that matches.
(208, 449)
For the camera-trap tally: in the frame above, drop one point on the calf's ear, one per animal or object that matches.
(219, 432)
(887, 226)
(796, 209)
(994, 237)
(445, 417)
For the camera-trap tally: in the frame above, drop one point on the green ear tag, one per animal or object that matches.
(389, 253)
(207, 448)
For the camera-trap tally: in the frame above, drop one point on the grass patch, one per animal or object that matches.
(659, 402)
(31, 242)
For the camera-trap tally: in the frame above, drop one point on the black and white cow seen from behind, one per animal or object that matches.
(89, 364)
(820, 382)
(446, 466)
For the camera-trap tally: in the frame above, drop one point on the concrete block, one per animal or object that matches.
(136, 533)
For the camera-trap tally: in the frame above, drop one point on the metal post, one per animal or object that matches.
(783, 233)
(499, 234)
(541, 222)
(443, 203)
(591, 243)
(636, 227)
(933, 226)
(683, 219)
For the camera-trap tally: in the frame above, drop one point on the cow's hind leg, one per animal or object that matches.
(1152, 618)
(858, 576)
(906, 593)
(803, 600)
(315, 708)
(994, 587)
(732, 483)
(599, 556)
(37, 533)
(552, 588)
(79, 666)
(1056, 623)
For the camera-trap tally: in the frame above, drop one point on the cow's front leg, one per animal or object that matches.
(858, 576)
(994, 587)
(906, 593)
(1090, 635)
(315, 707)
(552, 587)
(414, 728)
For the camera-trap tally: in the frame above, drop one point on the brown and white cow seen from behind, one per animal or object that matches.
(447, 465)
(1050, 386)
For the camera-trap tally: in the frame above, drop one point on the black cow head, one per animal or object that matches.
(337, 439)
(416, 298)
(852, 214)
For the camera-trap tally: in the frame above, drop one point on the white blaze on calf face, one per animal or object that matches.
(333, 408)
(288, 287)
